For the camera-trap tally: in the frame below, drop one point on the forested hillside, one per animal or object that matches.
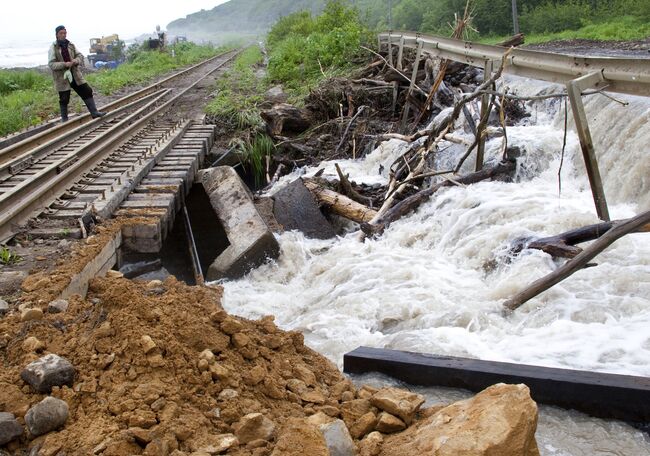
(491, 17)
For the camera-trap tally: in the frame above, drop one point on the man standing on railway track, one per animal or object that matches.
(64, 60)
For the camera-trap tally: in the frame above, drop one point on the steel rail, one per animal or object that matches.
(16, 206)
(621, 75)
(47, 135)
(10, 165)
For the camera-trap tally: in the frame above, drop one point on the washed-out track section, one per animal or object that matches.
(146, 179)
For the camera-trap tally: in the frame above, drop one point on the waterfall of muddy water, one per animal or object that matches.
(436, 279)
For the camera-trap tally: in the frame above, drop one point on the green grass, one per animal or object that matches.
(8, 257)
(28, 97)
(239, 93)
(616, 29)
(144, 66)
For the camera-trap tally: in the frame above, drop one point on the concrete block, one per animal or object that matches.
(296, 209)
(251, 241)
(145, 236)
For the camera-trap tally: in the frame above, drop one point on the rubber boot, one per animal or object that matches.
(90, 104)
(64, 112)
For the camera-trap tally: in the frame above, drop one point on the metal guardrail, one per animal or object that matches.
(578, 73)
(621, 75)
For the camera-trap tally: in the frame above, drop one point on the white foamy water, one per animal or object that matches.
(435, 281)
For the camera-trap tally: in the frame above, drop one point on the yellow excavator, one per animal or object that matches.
(106, 49)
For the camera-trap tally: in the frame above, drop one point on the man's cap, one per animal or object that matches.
(59, 28)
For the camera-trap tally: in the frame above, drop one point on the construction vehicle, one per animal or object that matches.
(106, 49)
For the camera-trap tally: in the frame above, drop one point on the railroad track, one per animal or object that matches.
(88, 167)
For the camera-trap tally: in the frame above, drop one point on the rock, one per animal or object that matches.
(231, 326)
(297, 386)
(48, 415)
(147, 344)
(4, 307)
(254, 426)
(318, 419)
(388, 423)
(57, 306)
(299, 438)
(49, 371)
(31, 314)
(10, 429)
(501, 419)
(315, 397)
(276, 94)
(240, 340)
(255, 375)
(347, 396)
(143, 419)
(114, 274)
(141, 436)
(219, 443)
(363, 425)
(32, 344)
(337, 439)
(228, 394)
(218, 372)
(398, 402)
(303, 373)
(296, 208)
(351, 411)
(371, 445)
(207, 355)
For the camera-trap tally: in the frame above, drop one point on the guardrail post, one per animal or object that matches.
(414, 74)
(485, 104)
(400, 54)
(390, 48)
(574, 90)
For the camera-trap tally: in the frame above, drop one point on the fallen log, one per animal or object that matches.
(617, 231)
(284, 118)
(412, 202)
(346, 188)
(563, 244)
(340, 204)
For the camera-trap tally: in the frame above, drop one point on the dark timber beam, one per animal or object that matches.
(598, 394)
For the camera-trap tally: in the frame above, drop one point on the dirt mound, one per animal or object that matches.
(161, 367)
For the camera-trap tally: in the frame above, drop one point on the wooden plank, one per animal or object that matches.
(598, 394)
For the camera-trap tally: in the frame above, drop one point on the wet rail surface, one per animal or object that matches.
(87, 167)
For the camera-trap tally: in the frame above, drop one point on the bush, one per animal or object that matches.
(303, 47)
(11, 81)
(550, 17)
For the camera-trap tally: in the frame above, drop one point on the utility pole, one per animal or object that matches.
(515, 17)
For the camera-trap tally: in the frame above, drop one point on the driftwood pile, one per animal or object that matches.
(428, 106)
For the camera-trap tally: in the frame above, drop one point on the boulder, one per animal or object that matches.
(218, 444)
(295, 208)
(10, 429)
(351, 411)
(48, 415)
(398, 402)
(254, 426)
(337, 438)
(371, 444)
(500, 420)
(48, 371)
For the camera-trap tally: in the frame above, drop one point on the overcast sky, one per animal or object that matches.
(35, 20)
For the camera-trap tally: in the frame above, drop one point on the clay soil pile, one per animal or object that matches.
(160, 367)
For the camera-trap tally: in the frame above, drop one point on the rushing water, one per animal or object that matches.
(436, 279)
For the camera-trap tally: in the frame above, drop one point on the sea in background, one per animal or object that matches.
(30, 53)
